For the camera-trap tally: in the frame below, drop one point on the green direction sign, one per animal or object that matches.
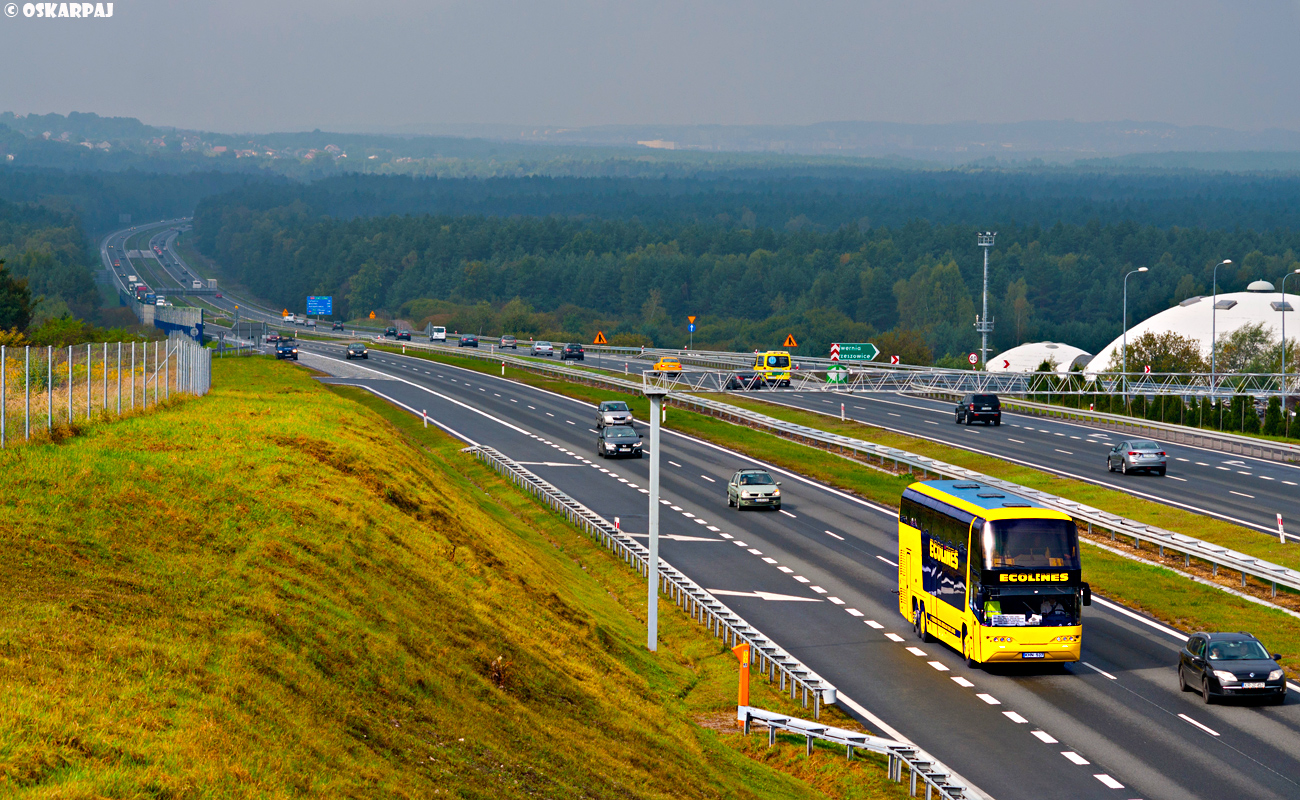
(837, 373)
(862, 351)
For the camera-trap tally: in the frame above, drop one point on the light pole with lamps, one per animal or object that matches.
(1124, 346)
(1284, 308)
(1214, 319)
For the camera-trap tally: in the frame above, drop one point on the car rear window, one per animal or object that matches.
(1145, 446)
(986, 399)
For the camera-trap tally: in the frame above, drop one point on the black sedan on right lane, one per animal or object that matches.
(1227, 665)
(618, 440)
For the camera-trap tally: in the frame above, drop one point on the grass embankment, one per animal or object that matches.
(318, 597)
(1157, 591)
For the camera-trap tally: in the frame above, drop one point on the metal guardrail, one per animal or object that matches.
(770, 659)
(924, 769)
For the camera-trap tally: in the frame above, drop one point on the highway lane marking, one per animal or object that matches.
(707, 478)
(1044, 737)
(453, 380)
(1176, 478)
(769, 559)
(1241, 494)
(675, 464)
(1208, 730)
(1017, 441)
(836, 535)
(1075, 757)
(571, 422)
(887, 561)
(854, 612)
(990, 699)
(593, 430)
(676, 537)
(675, 508)
(549, 414)
(801, 579)
(929, 422)
(1067, 452)
(1247, 474)
(1225, 469)
(1265, 478)
(892, 414)
(939, 665)
(1180, 458)
(1289, 483)
(916, 651)
(1108, 781)
(872, 623)
(787, 513)
(786, 570)
(765, 596)
(1014, 717)
(511, 399)
(818, 589)
(861, 408)
(686, 514)
(1098, 670)
(957, 679)
(547, 464)
(739, 543)
(836, 601)
(1201, 464)
(697, 520)
(713, 528)
(726, 536)
(755, 552)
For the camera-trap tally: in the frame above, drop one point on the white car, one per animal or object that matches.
(160, 301)
(438, 335)
(543, 349)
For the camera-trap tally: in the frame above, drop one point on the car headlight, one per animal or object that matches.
(746, 494)
(1275, 675)
(1225, 676)
(776, 492)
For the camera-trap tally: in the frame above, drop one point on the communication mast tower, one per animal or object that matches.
(982, 323)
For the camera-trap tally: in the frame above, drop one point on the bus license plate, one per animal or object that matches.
(1032, 655)
(1255, 685)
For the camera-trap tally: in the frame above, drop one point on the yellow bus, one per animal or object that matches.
(774, 366)
(992, 575)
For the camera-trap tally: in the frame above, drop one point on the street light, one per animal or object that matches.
(1124, 346)
(656, 396)
(1214, 319)
(1283, 308)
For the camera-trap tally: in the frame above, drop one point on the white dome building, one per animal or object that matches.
(1195, 318)
(1027, 357)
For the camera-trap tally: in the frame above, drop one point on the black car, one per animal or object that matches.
(1222, 665)
(358, 350)
(287, 348)
(468, 340)
(746, 381)
(618, 440)
(390, 331)
(984, 408)
(573, 351)
(338, 326)
(406, 335)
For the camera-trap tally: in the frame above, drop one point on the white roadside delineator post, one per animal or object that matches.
(425, 414)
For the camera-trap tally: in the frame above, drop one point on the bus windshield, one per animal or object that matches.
(1030, 610)
(1031, 544)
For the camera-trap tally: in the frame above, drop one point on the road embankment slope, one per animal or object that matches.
(278, 591)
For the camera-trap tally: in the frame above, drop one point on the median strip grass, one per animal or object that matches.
(287, 590)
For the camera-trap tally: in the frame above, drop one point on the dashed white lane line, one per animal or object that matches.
(957, 679)
(1067, 452)
(1098, 670)
(713, 528)
(786, 570)
(1247, 474)
(990, 699)
(1241, 494)
(855, 612)
(893, 637)
(874, 624)
(675, 508)
(1108, 781)
(887, 561)
(1017, 441)
(836, 601)
(836, 535)
(1289, 483)
(752, 551)
(1045, 737)
(726, 536)
(511, 399)
(801, 579)
(549, 414)
(674, 463)
(739, 543)
(930, 422)
(939, 665)
(1176, 478)
(916, 651)
(687, 514)
(699, 521)
(707, 478)
(787, 513)
(892, 414)
(1265, 478)
(818, 589)
(1014, 717)
(1208, 730)
(1075, 757)
(769, 560)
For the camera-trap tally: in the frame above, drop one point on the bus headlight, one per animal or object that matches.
(1225, 676)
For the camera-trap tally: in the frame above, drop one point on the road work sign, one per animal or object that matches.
(790, 342)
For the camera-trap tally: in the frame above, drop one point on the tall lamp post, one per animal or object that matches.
(1283, 308)
(984, 325)
(656, 396)
(1124, 346)
(1214, 319)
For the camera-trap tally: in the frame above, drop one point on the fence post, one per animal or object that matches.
(90, 361)
(119, 379)
(155, 370)
(133, 376)
(27, 392)
(49, 387)
(167, 370)
(104, 366)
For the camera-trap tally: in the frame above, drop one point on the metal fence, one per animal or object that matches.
(923, 769)
(781, 668)
(44, 388)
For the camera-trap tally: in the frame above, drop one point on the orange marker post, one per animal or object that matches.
(742, 697)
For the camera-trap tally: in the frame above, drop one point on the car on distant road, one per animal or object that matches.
(467, 340)
(218, 295)
(984, 408)
(667, 364)
(509, 341)
(618, 440)
(286, 349)
(404, 335)
(272, 338)
(438, 334)
(1224, 665)
(573, 351)
(543, 349)
(746, 381)
(357, 350)
(613, 412)
(337, 326)
(1137, 454)
(755, 488)
(390, 331)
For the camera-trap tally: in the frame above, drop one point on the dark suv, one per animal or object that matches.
(390, 331)
(467, 340)
(1230, 665)
(573, 351)
(984, 408)
(357, 350)
(286, 348)
(338, 326)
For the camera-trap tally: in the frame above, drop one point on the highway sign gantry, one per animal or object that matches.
(853, 351)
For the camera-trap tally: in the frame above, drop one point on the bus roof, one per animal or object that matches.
(969, 493)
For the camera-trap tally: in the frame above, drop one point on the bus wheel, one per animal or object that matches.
(920, 627)
(966, 648)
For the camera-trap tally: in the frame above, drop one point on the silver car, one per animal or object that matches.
(1137, 454)
(754, 488)
(543, 349)
(613, 412)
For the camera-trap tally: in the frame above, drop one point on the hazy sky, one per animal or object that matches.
(260, 65)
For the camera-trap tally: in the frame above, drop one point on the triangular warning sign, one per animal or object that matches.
(600, 338)
(790, 342)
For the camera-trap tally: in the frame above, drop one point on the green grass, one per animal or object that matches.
(309, 598)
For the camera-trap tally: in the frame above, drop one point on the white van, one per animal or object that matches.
(438, 335)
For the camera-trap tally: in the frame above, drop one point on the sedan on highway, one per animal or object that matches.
(754, 488)
(509, 341)
(666, 364)
(467, 340)
(1222, 665)
(618, 441)
(404, 335)
(358, 350)
(543, 349)
(337, 326)
(746, 381)
(1135, 455)
(573, 351)
(390, 331)
(613, 412)
(286, 349)
(984, 408)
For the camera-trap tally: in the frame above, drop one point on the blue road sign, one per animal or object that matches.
(320, 305)
(691, 327)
